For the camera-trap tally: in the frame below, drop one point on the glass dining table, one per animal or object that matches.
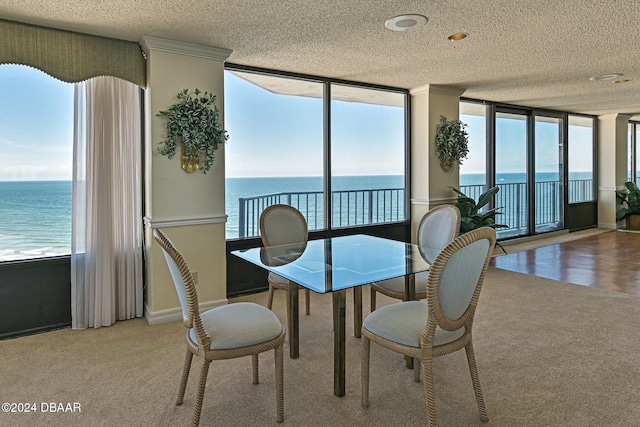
(333, 265)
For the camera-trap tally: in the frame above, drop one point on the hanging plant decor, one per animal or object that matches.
(194, 123)
(452, 142)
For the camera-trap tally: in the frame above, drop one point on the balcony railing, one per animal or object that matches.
(364, 207)
(512, 197)
(350, 208)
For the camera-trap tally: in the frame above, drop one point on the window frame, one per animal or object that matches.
(329, 228)
(38, 78)
(632, 143)
(594, 156)
(491, 108)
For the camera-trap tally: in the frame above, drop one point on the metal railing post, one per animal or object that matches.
(241, 217)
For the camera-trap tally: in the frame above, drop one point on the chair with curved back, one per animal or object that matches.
(441, 325)
(225, 332)
(436, 230)
(281, 225)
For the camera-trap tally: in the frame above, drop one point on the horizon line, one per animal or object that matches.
(287, 176)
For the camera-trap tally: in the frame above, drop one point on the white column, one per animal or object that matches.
(190, 208)
(612, 165)
(429, 183)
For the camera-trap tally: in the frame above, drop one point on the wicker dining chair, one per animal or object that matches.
(441, 325)
(281, 225)
(437, 229)
(225, 332)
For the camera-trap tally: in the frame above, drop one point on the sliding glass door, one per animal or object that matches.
(531, 186)
(473, 171)
(511, 172)
(542, 161)
(549, 191)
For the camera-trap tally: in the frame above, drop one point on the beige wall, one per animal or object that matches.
(190, 208)
(612, 165)
(429, 183)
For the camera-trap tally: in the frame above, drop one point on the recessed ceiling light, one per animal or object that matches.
(621, 81)
(611, 76)
(458, 36)
(406, 22)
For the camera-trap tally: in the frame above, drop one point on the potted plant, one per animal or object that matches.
(452, 142)
(470, 215)
(629, 197)
(194, 123)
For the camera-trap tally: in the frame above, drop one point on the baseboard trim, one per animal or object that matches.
(515, 241)
(607, 226)
(173, 314)
(34, 331)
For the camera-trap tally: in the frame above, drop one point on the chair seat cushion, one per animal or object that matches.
(404, 323)
(277, 278)
(239, 325)
(397, 283)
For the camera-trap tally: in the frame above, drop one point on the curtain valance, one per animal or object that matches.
(68, 56)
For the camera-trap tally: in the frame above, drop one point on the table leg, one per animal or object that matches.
(339, 341)
(409, 295)
(293, 320)
(410, 287)
(357, 311)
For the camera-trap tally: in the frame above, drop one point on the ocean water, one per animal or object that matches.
(35, 216)
(35, 219)
(506, 178)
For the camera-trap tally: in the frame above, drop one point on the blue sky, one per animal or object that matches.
(511, 146)
(282, 135)
(36, 125)
(36, 133)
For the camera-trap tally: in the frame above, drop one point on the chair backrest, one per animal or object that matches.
(282, 224)
(185, 286)
(456, 277)
(439, 227)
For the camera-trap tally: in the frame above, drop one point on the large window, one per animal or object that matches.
(275, 151)
(633, 153)
(36, 138)
(367, 156)
(581, 168)
(631, 158)
(542, 162)
(340, 159)
(473, 171)
(549, 176)
(511, 172)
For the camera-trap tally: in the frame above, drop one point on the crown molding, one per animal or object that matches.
(149, 43)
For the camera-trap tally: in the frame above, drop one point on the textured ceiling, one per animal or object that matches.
(537, 54)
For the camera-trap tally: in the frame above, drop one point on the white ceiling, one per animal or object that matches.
(533, 53)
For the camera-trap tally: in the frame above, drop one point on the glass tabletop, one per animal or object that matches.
(337, 263)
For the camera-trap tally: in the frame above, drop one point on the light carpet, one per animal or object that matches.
(549, 354)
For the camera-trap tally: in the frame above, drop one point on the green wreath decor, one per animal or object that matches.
(452, 142)
(194, 122)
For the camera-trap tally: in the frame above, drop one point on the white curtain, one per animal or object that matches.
(106, 246)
